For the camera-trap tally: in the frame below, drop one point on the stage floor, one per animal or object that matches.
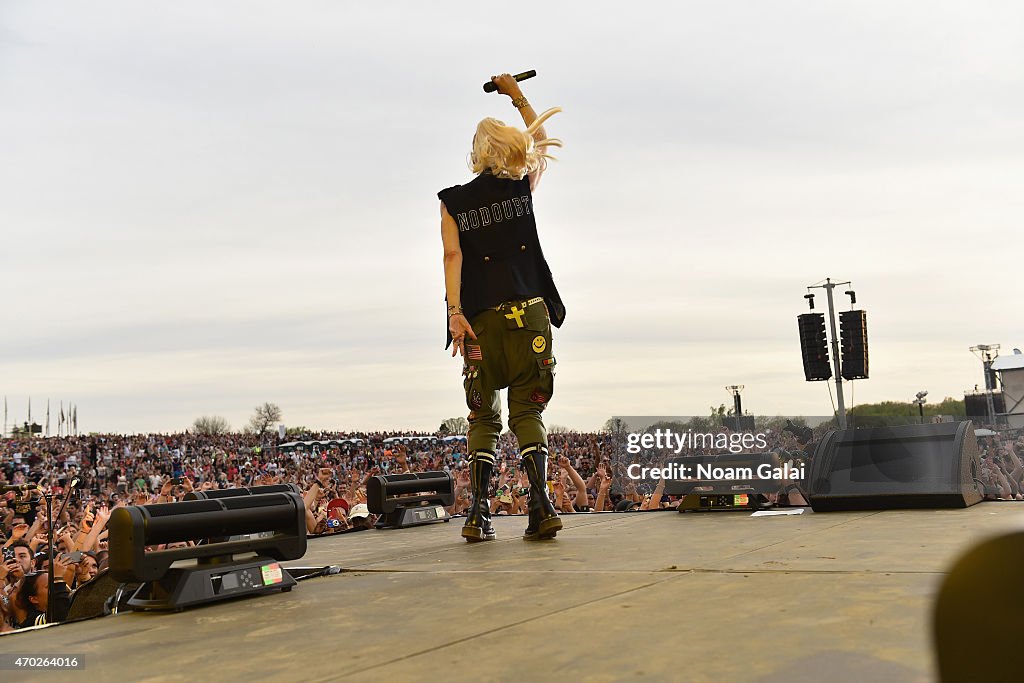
(682, 597)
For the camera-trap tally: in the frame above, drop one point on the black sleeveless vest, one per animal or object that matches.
(501, 255)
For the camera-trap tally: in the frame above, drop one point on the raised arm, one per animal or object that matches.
(507, 85)
(37, 524)
(602, 494)
(461, 488)
(402, 459)
(309, 498)
(100, 523)
(654, 502)
(577, 480)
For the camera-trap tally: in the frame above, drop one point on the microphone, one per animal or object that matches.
(67, 496)
(20, 488)
(489, 86)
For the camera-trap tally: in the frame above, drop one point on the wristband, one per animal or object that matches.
(520, 102)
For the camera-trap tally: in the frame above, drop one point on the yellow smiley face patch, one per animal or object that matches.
(539, 344)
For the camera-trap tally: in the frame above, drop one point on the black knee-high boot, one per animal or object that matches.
(478, 522)
(544, 522)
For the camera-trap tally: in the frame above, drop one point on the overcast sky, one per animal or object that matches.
(208, 205)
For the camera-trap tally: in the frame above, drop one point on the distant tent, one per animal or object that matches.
(310, 446)
(410, 440)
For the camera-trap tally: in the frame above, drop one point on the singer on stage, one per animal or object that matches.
(502, 303)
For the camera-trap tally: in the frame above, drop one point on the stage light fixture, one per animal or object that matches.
(214, 494)
(705, 488)
(274, 527)
(410, 499)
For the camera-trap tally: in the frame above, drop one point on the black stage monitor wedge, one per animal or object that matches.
(892, 468)
(410, 499)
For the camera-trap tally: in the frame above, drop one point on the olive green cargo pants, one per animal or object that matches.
(512, 349)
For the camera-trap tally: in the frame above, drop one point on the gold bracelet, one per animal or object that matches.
(520, 102)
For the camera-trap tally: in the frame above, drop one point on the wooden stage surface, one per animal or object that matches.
(618, 596)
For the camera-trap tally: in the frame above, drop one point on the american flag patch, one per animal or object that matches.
(473, 352)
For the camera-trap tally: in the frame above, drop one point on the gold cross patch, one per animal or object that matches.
(517, 315)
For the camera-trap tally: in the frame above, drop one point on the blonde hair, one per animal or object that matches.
(509, 152)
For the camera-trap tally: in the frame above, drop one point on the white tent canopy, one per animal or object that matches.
(1012, 362)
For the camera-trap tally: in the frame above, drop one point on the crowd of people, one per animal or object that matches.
(587, 473)
(1002, 465)
(108, 471)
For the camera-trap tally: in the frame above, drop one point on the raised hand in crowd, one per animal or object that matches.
(165, 495)
(653, 502)
(91, 540)
(559, 491)
(18, 532)
(63, 569)
(38, 541)
(66, 539)
(325, 475)
(89, 518)
(604, 487)
(580, 501)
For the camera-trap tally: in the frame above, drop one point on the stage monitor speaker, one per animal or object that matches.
(891, 468)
